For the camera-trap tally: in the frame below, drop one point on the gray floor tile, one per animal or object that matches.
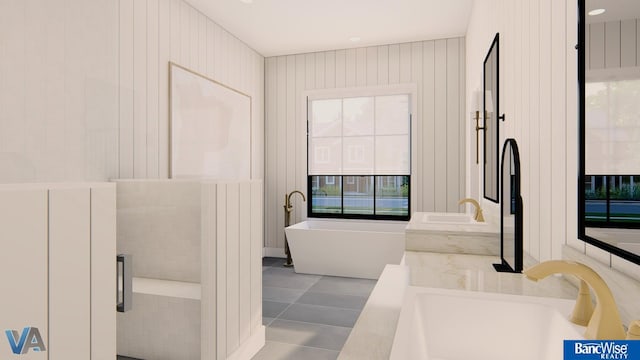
(321, 315)
(286, 278)
(275, 262)
(308, 317)
(335, 300)
(340, 285)
(280, 264)
(282, 295)
(272, 309)
(306, 334)
(270, 261)
(281, 351)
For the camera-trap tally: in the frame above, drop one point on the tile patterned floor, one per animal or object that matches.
(308, 317)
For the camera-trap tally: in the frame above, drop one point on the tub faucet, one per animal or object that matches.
(605, 321)
(288, 208)
(478, 211)
(287, 200)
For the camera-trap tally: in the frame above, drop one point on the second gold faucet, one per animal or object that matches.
(478, 210)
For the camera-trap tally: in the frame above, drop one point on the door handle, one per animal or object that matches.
(124, 291)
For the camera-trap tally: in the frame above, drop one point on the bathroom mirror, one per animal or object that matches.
(609, 123)
(511, 250)
(490, 111)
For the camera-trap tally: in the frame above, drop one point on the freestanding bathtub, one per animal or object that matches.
(349, 248)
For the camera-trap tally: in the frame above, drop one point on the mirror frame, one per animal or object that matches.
(581, 47)
(518, 256)
(495, 46)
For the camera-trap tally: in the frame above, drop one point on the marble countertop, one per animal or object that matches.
(372, 335)
(476, 273)
(416, 225)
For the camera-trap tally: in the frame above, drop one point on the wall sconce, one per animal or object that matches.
(477, 105)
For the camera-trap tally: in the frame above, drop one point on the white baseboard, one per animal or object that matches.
(273, 252)
(251, 346)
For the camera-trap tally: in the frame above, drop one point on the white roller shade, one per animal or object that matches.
(612, 131)
(360, 136)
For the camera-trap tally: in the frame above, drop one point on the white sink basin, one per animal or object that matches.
(439, 324)
(447, 218)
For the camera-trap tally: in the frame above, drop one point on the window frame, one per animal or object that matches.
(342, 215)
(412, 179)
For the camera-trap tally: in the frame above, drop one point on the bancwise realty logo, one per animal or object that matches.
(602, 349)
(21, 343)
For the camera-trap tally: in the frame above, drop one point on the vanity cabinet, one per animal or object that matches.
(58, 270)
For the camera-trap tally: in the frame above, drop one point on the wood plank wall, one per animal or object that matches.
(538, 94)
(613, 44)
(58, 90)
(438, 69)
(84, 85)
(152, 33)
(234, 288)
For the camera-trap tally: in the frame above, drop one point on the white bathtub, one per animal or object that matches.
(358, 249)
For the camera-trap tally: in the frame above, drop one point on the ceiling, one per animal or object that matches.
(279, 27)
(615, 10)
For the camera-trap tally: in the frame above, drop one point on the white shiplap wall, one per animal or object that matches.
(152, 33)
(84, 85)
(538, 93)
(436, 67)
(58, 90)
(613, 44)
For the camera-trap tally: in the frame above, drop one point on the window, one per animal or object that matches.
(359, 157)
(612, 142)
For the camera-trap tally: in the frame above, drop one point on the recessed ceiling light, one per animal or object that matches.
(247, 1)
(354, 39)
(596, 12)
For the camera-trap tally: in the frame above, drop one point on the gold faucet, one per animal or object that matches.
(288, 208)
(287, 200)
(478, 212)
(605, 321)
